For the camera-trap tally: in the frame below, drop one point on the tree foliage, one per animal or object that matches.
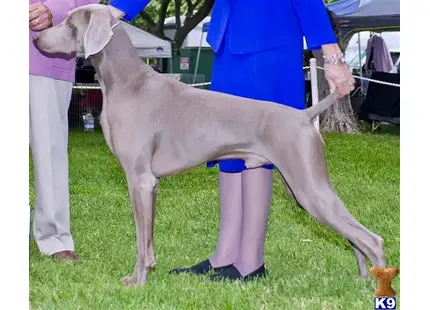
(153, 17)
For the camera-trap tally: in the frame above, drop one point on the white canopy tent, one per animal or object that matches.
(355, 52)
(146, 44)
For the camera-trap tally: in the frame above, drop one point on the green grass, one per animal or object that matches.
(321, 274)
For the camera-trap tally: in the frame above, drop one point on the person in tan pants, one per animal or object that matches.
(51, 83)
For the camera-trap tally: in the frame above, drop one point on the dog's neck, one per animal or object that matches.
(118, 63)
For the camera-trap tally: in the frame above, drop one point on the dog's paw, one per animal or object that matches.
(363, 274)
(129, 281)
(364, 278)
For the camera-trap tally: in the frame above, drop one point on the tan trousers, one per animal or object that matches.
(49, 103)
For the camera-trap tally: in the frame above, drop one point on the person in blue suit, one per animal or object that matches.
(258, 47)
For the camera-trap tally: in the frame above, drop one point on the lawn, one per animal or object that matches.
(321, 274)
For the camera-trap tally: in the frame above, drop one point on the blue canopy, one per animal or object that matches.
(377, 15)
(343, 7)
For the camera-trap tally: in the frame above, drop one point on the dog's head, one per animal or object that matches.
(85, 31)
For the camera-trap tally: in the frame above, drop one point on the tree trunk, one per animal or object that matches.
(178, 4)
(191, 23)
(159, 28)
(340, 116)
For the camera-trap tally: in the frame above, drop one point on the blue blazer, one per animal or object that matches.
(257, 25)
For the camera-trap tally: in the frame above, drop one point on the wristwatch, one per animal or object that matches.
(334, 59)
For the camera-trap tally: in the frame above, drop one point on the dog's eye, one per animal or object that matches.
(70, 25)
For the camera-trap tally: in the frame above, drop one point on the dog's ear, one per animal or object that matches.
(98, 34)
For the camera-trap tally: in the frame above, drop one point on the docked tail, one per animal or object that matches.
(321, 106)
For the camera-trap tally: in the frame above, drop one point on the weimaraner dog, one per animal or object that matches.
(157, 126)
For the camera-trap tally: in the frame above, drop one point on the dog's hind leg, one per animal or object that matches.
(309, 182)
(360, 257)
(361, 262)
(255, 161)
(288, 189)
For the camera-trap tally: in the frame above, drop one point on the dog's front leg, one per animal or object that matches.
(142, 193)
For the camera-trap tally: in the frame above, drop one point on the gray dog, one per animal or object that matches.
(157, 126)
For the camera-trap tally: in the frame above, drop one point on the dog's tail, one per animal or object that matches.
(321, 106)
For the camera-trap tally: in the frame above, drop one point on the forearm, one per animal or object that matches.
(330, 50)
(314, 23)
(128, 9)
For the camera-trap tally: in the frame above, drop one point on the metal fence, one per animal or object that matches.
(88, 98)
(85, 99)
(188, 79)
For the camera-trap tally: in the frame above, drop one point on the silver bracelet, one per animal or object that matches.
(335, 59)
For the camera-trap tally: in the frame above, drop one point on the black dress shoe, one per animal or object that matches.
(232, 274)
(201, 268)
